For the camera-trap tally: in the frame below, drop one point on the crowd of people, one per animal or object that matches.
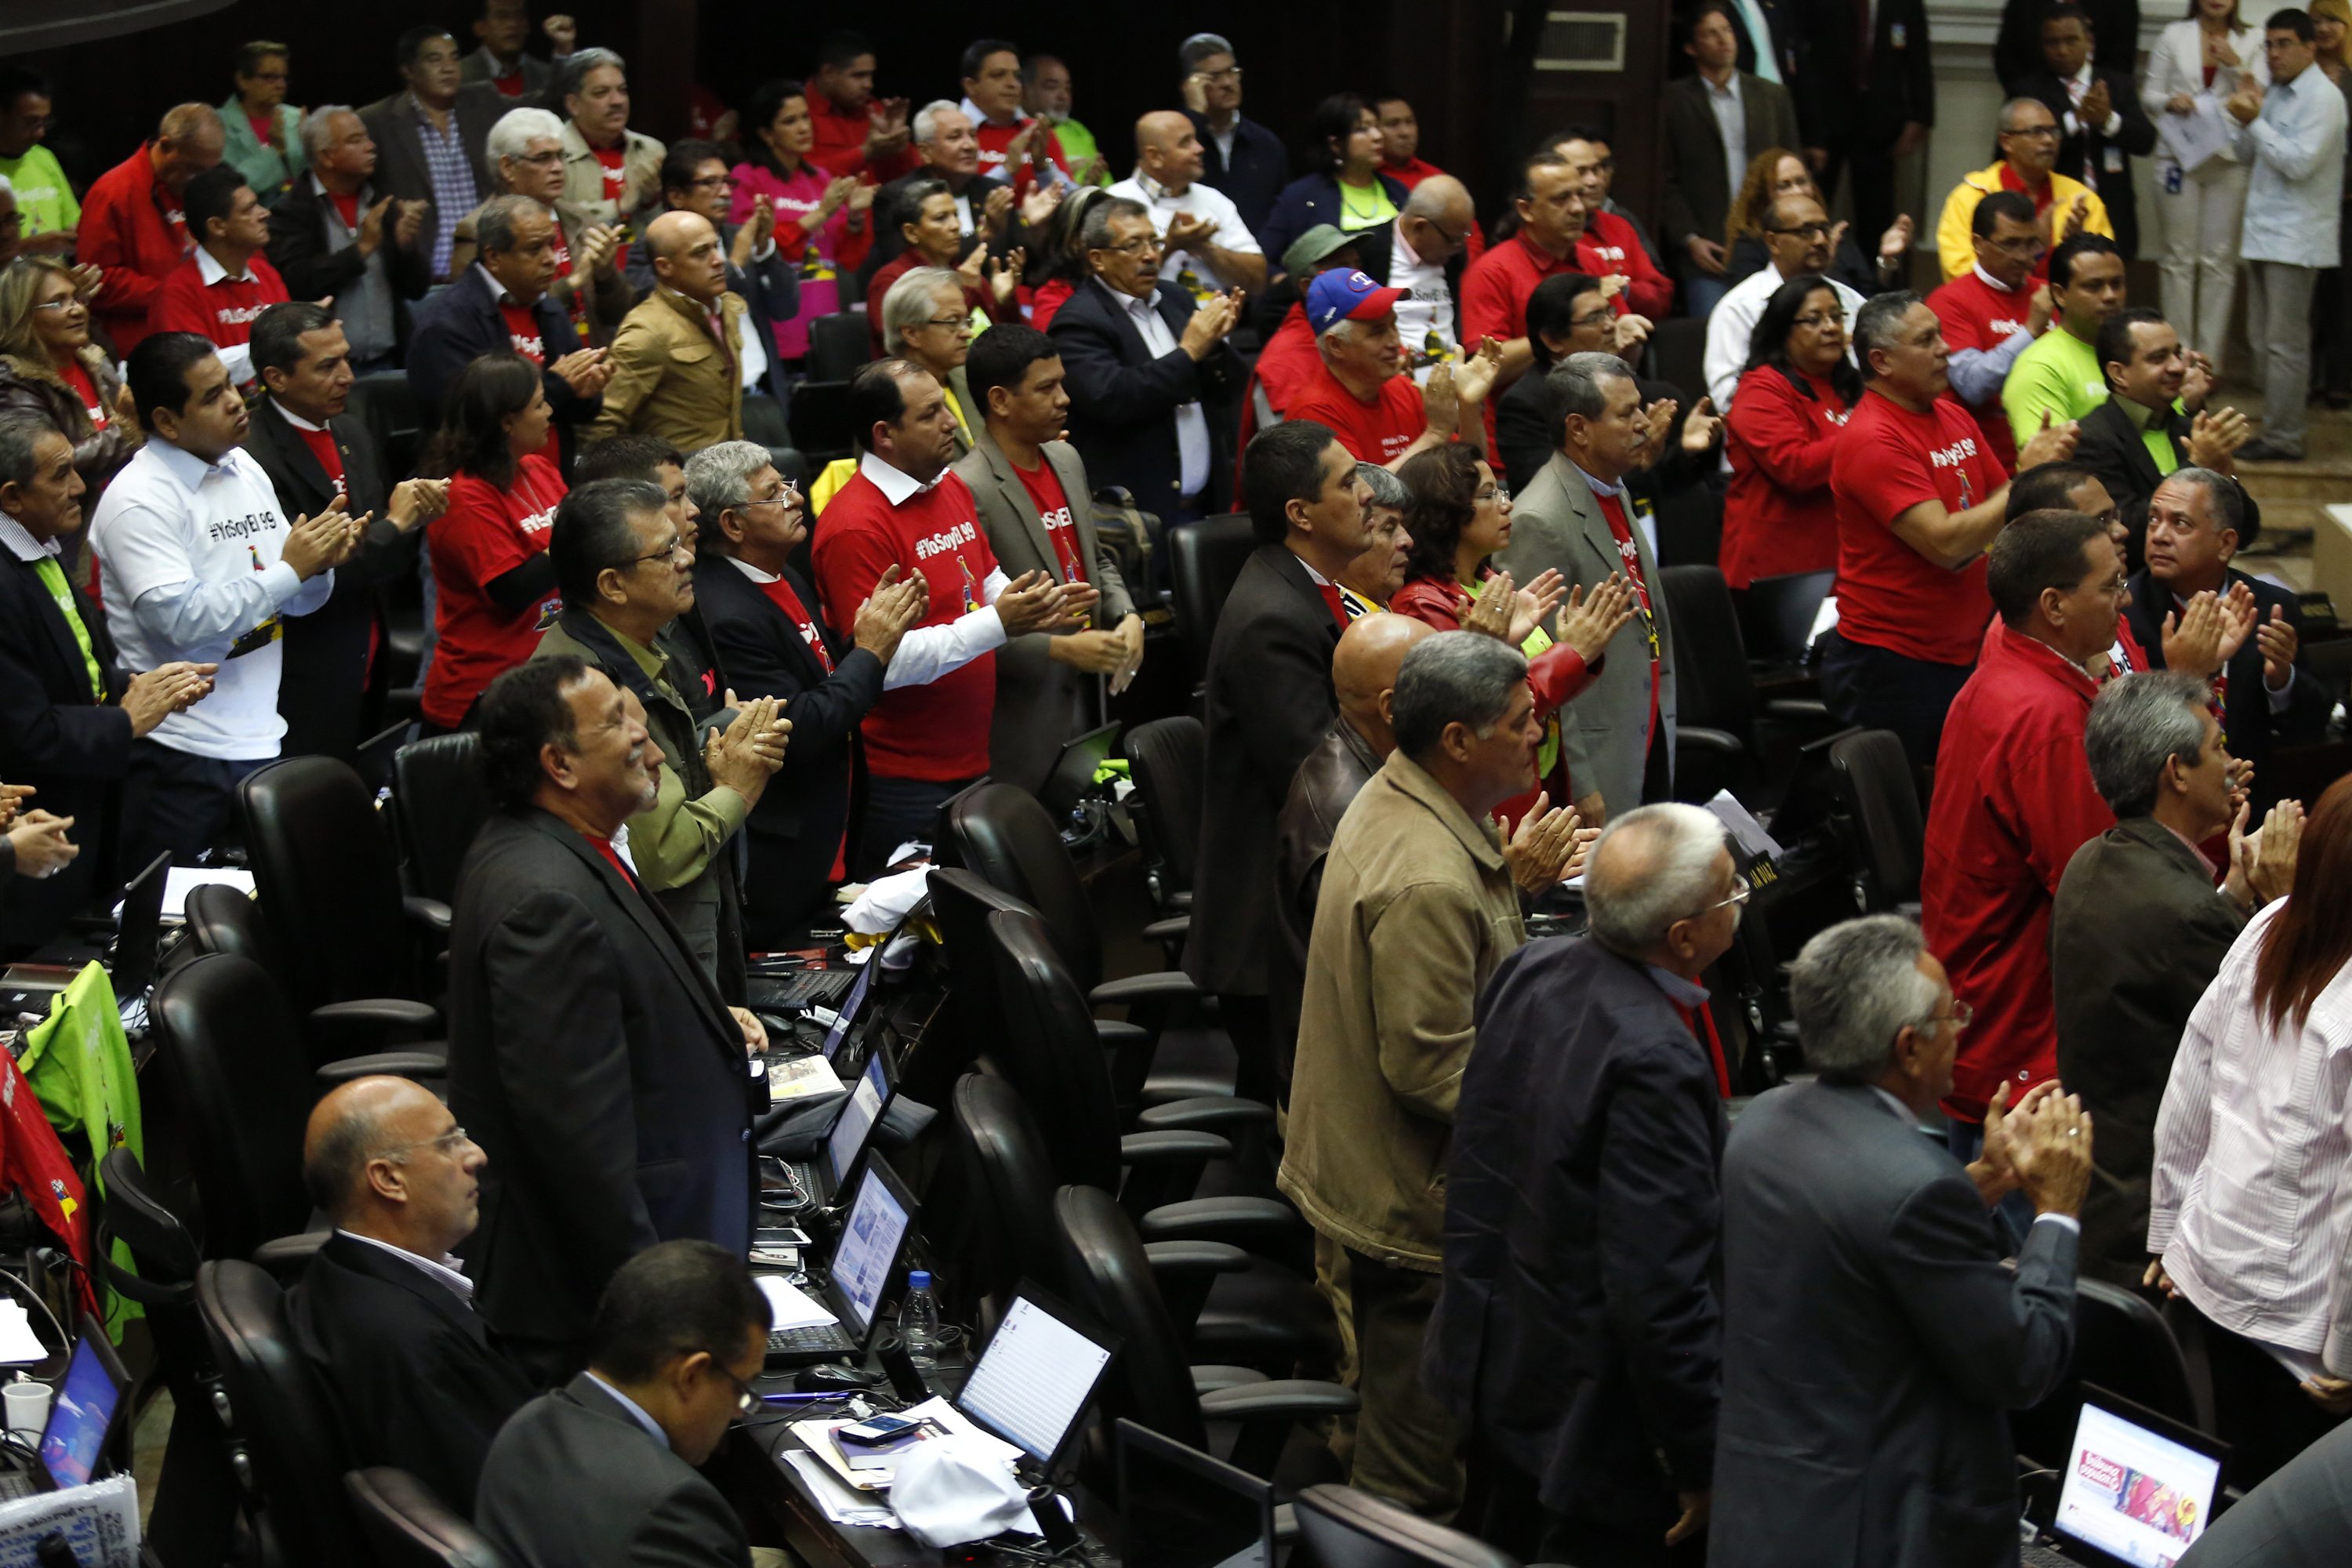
(708, 689)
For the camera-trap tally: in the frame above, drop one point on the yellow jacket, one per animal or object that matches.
(670, 378)
(1952, 237)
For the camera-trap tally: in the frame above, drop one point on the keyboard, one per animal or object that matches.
(2043, 1557)
(801, 989)
(817, 1339)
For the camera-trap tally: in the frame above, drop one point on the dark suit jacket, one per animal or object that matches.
(414, 1375)
(771, 291)
(1785, 17)
(575, 1482)
(1325, 785)
(400, 167)
(1268, 702)
(2109, 445)
(1873, 1341)
(55, 736)
(2017, 50)
(1123, 400)
(796, 829)
(1852, 106)
(538, 75)
(2134, 138)
(2137, 935)
(1260, 167)
(298, 248)
(2300, 1518)
(592, 1059)
(1579, 1330)
(461, 323)
(2253, 731)
(1698, 187)
(323, 690)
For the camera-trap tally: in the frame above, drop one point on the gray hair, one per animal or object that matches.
(1854, 987)
(2138, 724)
(2012, 105)
(926, 124)
(573, 75)
(1662, 873)
(1095, 233)
(1876, 323)
(2224, 498)
(315, 133)
(494, 221)
(911, 300)
(20, 438)
(1574, 386)
(911, 200)
(517, 129)
(1198, 48)
(719, 477)
(1388, 491)
(1454, 677)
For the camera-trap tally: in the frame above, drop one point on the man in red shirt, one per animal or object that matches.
(1287, 363)
(1400, 154)
(1360, 392)
(1611, 243)
(219, 291)
(2014, 800)
(1012, 146)
(1550, 239)
(1918, 498)
(1991, 312)
(927, 738)
(856, 132)
(132, 227)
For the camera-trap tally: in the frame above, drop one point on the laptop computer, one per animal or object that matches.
(2136, 1491)
(28, 987)
(872, 1238)
(1074, 770)
(825, 1177)
(1183, 1509)
(1036, 1377)
(86, 1410)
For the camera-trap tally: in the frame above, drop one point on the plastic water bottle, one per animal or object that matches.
(919, 1320)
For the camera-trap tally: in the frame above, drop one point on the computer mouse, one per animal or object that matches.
(829, 1376)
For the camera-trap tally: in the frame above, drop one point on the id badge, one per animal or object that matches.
(1899, 36)
(2112, 159)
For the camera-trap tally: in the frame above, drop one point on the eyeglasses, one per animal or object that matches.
(546, 160)
(712, 183)
(1231, 73)
(1806, 231)
(945, 322)
(2049, 132)
(670, 551)
(1452, 241)
(2024, 248)
(1739, 894)
(448, 1143)
(1141, 245)
(1500, 493)
(1816, 319)
(747, 1398)
(1592, 318)
(787, 497)
(1962, 1016)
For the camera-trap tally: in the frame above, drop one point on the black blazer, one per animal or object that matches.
(298, 248)
(1578, 1329)
(463, 322)
(575, 1482)
(400, 167)
(414, 1378)
(1699, 189)
(2017, 50)
(593, 1060)
(2136, 936)
(1873, 1343)
(2253, 731)
(1260, 167)
(1849, 109)
(2109, 445)
(1123, 399)
(324, 689)
(2135, 138)
(55, 736)
(1268, 702)
(796, 829)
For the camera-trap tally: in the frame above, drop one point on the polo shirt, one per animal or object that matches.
(188, 567)
(1609, 244)
(45, 198)
(1375, 432)
(1889, 596)
(1199, 201)
(200, 297)
(1495, 289)
(2060, 374)
(486, 533)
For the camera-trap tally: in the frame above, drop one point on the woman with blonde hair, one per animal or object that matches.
(50, 369)
(1777, 172)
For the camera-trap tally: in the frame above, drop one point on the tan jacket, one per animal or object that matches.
(670, 378)
(1417, 910)
(583, 178)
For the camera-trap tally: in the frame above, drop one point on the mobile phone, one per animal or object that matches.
(780, 1235)
(874, 1432)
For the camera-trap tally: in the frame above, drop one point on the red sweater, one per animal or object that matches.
(1610, 245)
(1976, 315)
(1889, 596)
(1778, 516)
(2014, 802)
(131, 230)
(839, 141)
(222, 311)
(994, 139)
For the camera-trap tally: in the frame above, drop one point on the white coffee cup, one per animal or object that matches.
(27, 1409)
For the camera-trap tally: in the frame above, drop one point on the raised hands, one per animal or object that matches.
(1542, 846)
(2214, 438)
(895, 605)
(1591, 619)
(2278, 642)
(1034, 602)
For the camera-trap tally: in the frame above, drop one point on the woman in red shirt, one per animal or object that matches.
(1779, 517)
(934, 235)
(50, 369)
(494, 585)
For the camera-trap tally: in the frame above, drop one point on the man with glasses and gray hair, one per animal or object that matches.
(2139, 930)
(1579, 1330)
(925, 320)
(1872, 1412)
(525, 152)
(331, 235)
(1238, 155)
(383, 1311)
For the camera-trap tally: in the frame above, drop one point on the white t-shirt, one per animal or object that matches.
(1199, 201)
(1426, 305)
(188, 569)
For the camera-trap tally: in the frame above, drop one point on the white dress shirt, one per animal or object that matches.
(1191, 423)
(926, 653)
(1199, 201)
(445, 1270)
(2076, 86)
(2295, 197)
(1732, 125)
(1733, 322)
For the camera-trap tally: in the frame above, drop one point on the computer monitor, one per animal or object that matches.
(84, 1411)
(851, 1006)
(854, 1127)
(1036, 1376)
(2137, 1489)
(868, 1249)
(1182, 1509)
(139, 933)
(1074, 770)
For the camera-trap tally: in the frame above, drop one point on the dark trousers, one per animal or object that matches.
(1883, 690)
(2261, 1409)
(1873, 171)
(1408, 1445)
(177, 802)
(897, 810)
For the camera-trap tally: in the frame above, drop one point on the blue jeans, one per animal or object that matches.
(897, 809)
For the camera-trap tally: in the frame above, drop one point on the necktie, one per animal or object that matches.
(1700, 1022)
(1337, 606)
(53, 578)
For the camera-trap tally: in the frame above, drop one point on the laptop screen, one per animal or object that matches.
(75, 1437)
(870, 1246)
(854, 1125)
(2132, 1493)
(1032, 1381)
(851, 1005)
(1185, 1509)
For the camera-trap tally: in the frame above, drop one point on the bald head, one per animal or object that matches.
(687, 256)
(1168, 149)
(188, 140)
(1437, 218)
(383, 1158)
(1441, 198)
(1364, 672)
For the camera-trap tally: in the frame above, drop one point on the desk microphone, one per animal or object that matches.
(905, 1377)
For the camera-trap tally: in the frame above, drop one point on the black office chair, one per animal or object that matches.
(1111, 1276)
(440, 802)
(220, 919)
(1203, 560)
(2123, 1345)
(1776, 615)
(411, 1528)
(840, 345)
(820, 420)
(1880, 805)
(282, 1425)
(1344, 1528)
(1170, 761)
(1726, 737)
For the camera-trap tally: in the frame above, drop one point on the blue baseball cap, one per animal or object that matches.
(1347, 296)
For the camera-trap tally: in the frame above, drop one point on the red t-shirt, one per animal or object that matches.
(523, 334)
(486, 533)
(1375, 432)
(612, 161)
(1610, 245)
(1889, 596)
(224, 310)
(79, 379)
(1976, 315)
(331, 456)
(994, 139)
(837, 140)
(1054, 511)
(937, 730)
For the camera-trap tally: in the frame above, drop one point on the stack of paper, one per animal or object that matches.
(840, 1504)
(18, 1343)
(794, 1309)
(818, 1436)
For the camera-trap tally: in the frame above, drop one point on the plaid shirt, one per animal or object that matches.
(453, 181)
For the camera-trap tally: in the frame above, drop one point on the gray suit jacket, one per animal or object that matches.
(1700, 187)
(1039, 703)
(2300, 1518)
(1873, 1343)
(1558, 525)
(538, 77)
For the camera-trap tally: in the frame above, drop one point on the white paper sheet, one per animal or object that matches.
(2189, 140)
(18, 1343)
(794, 1309)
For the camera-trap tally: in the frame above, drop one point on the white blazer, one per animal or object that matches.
(2176, 63)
